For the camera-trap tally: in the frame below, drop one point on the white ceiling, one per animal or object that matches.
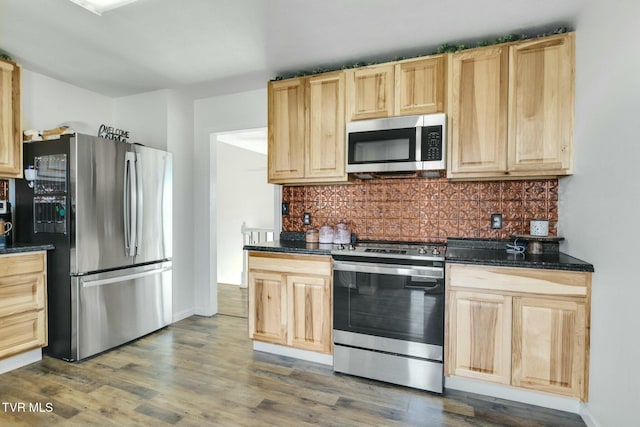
(210, 47)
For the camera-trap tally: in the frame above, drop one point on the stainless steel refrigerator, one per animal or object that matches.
(107, 207)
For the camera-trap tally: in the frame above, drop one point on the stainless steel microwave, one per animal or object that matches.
(408, 143)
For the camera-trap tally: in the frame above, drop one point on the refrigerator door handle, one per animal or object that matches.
(130, 208)
(121, 279)
(139, 202)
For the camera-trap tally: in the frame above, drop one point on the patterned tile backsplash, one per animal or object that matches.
(424, 209)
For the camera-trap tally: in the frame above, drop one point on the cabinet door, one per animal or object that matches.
(420, 86)
(370, 92)
(541, 98)
(326, 145)
(310, 314)
(549, 346)
(22, 293)
(22, 332)
(479, 342)
(267, 307)
(286, 132)
(10, 121)
(478, 112)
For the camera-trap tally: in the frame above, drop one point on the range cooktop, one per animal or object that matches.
(423, 251)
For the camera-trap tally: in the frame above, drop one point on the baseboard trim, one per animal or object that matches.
(511, 393)
(183, 314)
(206, 312)
(309, 356)
(20, 360)
(587, 417)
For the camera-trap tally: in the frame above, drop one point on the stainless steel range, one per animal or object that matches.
(389, 313)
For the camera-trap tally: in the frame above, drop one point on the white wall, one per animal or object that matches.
(600, 204)
(145, 116)
(47, 103)
(243, 195)
(245, 110)
(180, 143)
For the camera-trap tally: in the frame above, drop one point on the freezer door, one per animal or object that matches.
(115, 307)
(99, 170)
(154, 208)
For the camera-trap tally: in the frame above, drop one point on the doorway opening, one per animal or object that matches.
(245, 203)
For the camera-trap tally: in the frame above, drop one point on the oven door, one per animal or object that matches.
(401, 304)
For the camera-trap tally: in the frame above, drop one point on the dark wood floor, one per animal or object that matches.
(202, 371)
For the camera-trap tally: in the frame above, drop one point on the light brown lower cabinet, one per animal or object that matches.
(23, 296)
(523, 327)
(481, 326)
(290, 300)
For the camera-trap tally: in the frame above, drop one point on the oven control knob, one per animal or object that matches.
(341, 247)
(422, 251)
(352, 247)
(435, 251)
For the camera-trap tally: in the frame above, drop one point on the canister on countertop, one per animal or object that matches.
(342, 234)
(326, 234)
(311, 236)
(539, 227)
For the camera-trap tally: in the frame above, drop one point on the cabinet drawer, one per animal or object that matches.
(21, 293)
(519, 280)
(22, 332)
(11, 265)
(291, 264)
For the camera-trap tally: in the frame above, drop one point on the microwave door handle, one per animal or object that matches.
(418, 144)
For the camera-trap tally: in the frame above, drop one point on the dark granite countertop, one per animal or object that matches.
(292, 247)
(17, 248)
(493, 252)
(462, 251)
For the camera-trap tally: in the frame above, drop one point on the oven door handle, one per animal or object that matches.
(391, 269)
(437, 286)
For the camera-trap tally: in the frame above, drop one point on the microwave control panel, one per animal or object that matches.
(432, 143)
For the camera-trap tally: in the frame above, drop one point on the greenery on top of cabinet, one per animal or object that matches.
(443, 48)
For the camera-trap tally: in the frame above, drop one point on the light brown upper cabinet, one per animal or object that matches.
(420, 86)
(511, 109)
(10, 121)
(326, 146)
(478, 112)
(370, 92)
(541, 105)
(306, 129)
(286, 131)
(413, 86)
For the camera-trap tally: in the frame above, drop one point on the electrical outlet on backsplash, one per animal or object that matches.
(425, 209)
